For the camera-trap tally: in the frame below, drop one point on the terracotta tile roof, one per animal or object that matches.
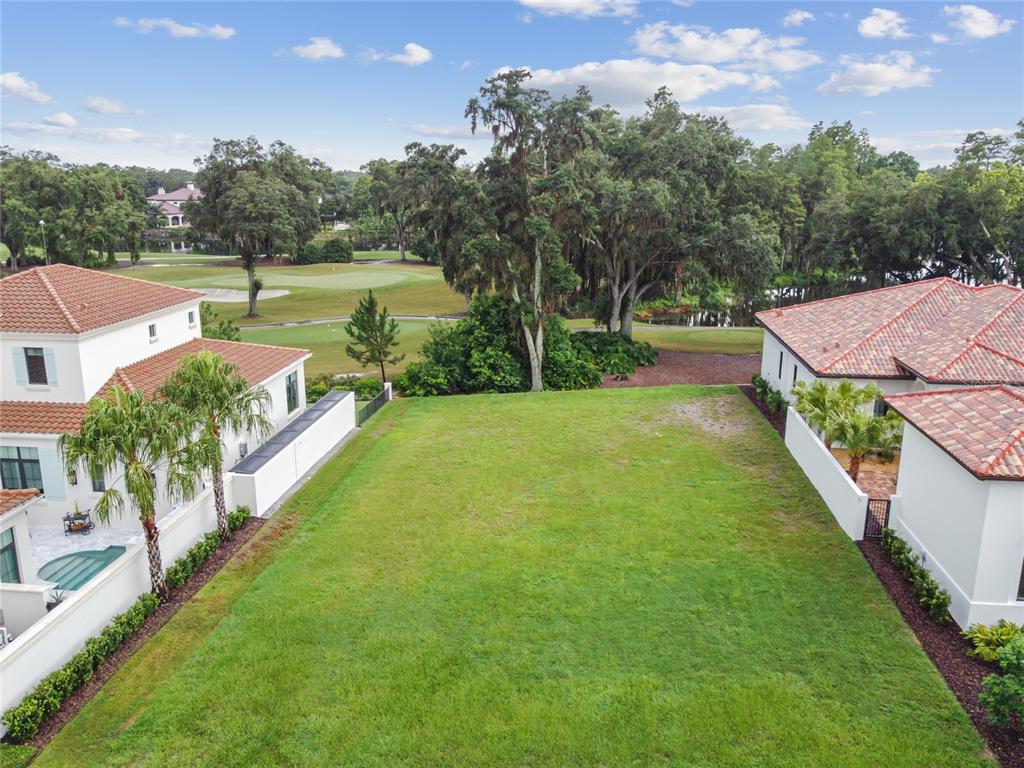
(980, 427)
(169, 208)
(941, 330)
(65, 299)
(183, 193)
(37, 417)
(15, 497)
(256, 363)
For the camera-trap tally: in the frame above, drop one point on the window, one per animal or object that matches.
(8, 558)
(99, 482)
(1020, 585)
(780, 366)
(152, 332)
(192, 319)
(291, 388)
(243, 450)
(19, 468)
(35, 365)
(880, 407)
(794, 375)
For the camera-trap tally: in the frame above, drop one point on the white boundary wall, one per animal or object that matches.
(842, 496)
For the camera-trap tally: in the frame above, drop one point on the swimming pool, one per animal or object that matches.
(73, 571)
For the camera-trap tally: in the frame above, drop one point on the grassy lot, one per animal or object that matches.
(608, 578)
(327, 343)
(321, 290)
(682, 338)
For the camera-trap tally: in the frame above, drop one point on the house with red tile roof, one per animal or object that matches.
(169, 204)
(69, 334)
(949, 359)
(937, 333)
(959, 498)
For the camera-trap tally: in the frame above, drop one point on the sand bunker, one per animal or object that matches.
(234, 295)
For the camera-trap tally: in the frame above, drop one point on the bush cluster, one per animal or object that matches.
(1003, 695)
(930, 594)
(365, 389)
(239, 517)
(486, 352)
(772, 398)
(988, 640)
(335, 251)
(185, 566)
(23, 721)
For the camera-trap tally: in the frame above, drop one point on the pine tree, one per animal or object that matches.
(373, 335)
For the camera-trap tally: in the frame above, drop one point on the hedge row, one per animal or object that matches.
(930, 594)
(23, 721)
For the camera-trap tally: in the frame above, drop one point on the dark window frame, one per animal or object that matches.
(99, 482)
(20, 463)
(291, 391)
(152, 332)
(780, 366)
(9, 567)
(35, 366)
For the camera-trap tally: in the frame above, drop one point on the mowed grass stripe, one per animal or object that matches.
(587, 578)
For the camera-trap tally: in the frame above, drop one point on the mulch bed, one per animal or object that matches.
(163, 614)
(777, 420)
(948, 652)
(691, 368)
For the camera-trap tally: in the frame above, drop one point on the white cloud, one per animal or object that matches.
(466, 64)
(797, 17)
(882, 22)
(582, 8)
(319, 48)
(757, 117)
(446, 131)
(938, 38)
(62, 119)
(743, 46)
(628, 83)
(412, 55)
(101, 105)
(894, 71)
(176, 29)
(976, 22)
(931, 147)
(14, 85)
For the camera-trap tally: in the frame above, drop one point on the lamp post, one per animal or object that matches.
(42, 228)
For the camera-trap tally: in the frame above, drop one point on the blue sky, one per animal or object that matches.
(153, 83)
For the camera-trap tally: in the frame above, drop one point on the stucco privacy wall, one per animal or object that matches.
(261, 487)
(969, 531)
(845, 500)
(50, 642)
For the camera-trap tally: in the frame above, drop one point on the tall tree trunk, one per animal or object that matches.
(400, 233)
(250, 271)
(535, 348)
(383, 377)
(218, 497)
(156, 568)
(468, 296)
(854, 468)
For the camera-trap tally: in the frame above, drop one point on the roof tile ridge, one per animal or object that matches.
(59, 302)
(942, 279)
(871, 336)
(958, 390)
(1016, 436)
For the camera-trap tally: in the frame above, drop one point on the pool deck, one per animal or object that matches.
(49, 541)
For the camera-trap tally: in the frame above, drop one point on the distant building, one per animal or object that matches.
(170, 203)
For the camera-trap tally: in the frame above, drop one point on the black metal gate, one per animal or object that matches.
(876, 519)
(371, 407)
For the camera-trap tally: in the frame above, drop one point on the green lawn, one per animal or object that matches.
(682, 338)
(327, 342)
(565, 579)
(321, 290)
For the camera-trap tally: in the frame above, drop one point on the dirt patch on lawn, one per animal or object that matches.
(715, 416)
(178, 597)
(691, 368)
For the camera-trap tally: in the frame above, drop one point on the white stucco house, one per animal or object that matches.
(170, 203)
(949, 359)
(930, 334)
(959, 498)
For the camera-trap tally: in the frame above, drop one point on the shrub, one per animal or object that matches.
(761, 385)
(1003, 695)
(178, 573)
(930, 594)
(367, 389)
(310, 253)
(23, 721)
(615, 353)
(336, 250)
(566, 365)
(988, 640)
(239, 517)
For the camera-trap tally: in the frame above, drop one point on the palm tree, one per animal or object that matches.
(125, 431)
(217, 399)
(824, 406)
(859, 434)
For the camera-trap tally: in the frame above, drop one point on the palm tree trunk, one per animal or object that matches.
(854, 467)
(218, 498)
(156, 568)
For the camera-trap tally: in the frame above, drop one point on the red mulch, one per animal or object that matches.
(777, 420)
(163, 614)
(691, 368)
(948, 652)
